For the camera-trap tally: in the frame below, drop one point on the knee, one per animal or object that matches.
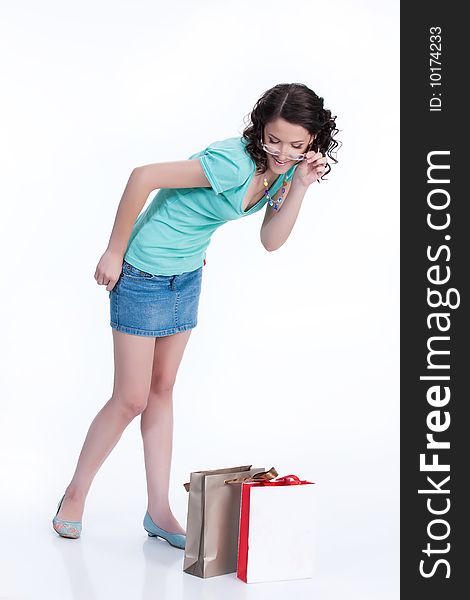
(131, 404)
(162, 384)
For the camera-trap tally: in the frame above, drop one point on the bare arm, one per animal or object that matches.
(142, 180)
(181, 174)
(132, 201)
(277, 225)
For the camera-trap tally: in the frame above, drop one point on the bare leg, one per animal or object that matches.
(133, 360)
(156, 425)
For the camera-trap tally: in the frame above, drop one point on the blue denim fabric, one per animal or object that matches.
(154, 305)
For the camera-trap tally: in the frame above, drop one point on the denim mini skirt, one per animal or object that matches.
(154, 305)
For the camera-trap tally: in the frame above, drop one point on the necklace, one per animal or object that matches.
(275, 203)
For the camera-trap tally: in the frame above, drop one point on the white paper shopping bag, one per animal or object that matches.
(275, 539)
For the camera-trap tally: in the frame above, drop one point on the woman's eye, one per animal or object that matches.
(296, 147)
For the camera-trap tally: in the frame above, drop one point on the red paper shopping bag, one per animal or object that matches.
(275, 539)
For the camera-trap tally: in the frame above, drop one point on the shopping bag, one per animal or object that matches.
(276, 530)
(212, 523)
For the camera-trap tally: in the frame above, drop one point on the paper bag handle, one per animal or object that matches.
(247, 467)
(260, 477)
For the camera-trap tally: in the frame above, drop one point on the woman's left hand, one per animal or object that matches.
(310, 169)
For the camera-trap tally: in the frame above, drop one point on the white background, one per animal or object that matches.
(294, 362)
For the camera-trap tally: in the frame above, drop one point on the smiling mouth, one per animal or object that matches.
(279, 162)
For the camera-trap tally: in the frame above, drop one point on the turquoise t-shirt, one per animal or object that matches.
(172, 234)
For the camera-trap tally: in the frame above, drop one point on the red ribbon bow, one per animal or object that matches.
(286, 480)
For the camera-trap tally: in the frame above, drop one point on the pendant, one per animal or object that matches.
(275, 203)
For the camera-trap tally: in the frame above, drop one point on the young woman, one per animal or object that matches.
(152, 269)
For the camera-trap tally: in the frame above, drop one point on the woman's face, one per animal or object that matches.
(287, 139)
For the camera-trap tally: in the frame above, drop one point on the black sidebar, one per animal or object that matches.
(435, 271)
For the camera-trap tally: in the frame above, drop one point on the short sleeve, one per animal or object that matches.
(225, 165)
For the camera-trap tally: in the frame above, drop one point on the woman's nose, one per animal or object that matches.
(284, 154)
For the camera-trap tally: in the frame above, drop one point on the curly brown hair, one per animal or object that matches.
(299, 105)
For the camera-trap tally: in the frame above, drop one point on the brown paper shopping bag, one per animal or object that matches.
(212, 523)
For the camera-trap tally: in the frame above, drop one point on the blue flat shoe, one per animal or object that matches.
(68, 529)
(178, 540)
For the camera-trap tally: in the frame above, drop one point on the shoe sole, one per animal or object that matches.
(70, 537)
(162, 538)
